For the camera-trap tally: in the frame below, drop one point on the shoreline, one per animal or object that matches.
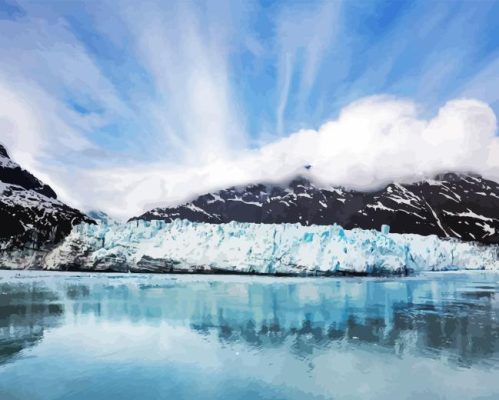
(322, 276)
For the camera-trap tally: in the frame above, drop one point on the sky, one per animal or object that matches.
(122, 106)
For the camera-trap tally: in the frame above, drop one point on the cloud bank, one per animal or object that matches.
(373, 141)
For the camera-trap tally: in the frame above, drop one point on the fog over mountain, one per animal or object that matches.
(374, 141)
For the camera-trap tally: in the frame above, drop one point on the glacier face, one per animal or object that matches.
(184, 246)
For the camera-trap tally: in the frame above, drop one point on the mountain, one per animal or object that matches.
(30, 213)
(462, 206)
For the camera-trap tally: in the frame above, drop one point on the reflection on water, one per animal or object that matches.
(26, 310)
(249, 337)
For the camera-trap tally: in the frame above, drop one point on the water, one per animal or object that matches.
(90, 337)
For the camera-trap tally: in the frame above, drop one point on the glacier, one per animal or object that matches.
(275, 249)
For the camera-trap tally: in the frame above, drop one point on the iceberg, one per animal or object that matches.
(275, 249)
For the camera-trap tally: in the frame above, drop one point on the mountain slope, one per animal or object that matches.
(30, 213)
(463, 206)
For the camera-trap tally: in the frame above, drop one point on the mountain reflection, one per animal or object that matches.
(465, 333)
(26, 311)
(452, 318)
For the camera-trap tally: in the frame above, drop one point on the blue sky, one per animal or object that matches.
(128, 89)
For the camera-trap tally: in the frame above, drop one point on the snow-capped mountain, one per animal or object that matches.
(462, 206)
(30, 213)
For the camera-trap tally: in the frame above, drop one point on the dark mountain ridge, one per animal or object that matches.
(30, 213)
(462, 206)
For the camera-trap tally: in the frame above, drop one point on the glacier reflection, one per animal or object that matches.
(448, 319)
(26, 310)
(453, 316)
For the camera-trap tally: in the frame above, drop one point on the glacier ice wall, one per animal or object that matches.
(183, 246)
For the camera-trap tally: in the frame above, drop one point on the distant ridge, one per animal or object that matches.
(462, 206)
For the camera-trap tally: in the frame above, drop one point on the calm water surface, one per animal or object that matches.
(91, 337)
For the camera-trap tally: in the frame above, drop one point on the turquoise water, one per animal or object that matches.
(90, 337)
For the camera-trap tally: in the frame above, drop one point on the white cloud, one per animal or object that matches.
(38, 71)
(373, 141)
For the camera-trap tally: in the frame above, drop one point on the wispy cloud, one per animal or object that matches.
(484, 85)
(304, 36)
(186, 53)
